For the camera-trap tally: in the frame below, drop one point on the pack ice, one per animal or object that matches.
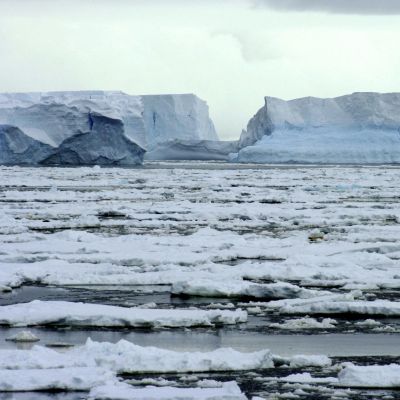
(354, 129)
(104, 127)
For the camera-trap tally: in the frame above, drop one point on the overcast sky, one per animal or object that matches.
(231, 53)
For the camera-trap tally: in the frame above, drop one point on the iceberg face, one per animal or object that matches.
(18, 148)
(104, 144)
(182, 117)
(106, 127)
(56, 116)
(357, 128)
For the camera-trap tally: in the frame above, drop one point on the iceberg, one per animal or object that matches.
(181, 117)
(18, 148)
(104, 127)
(104, 144)
(361, 128)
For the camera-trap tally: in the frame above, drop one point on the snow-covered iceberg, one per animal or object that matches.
(352, 129)
(104, 127)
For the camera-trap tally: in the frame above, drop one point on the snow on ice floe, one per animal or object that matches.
(305, 323)
(353, 129)
(123, 391)
(370, 376)
(53, 379)
(215, 288)
(23, 336)
(377, 307)
(227, 228)
(84, 314)
(126, 357)
(306, 377)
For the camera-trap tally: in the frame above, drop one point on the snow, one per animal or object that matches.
(23, 336)
(99, 127)
(377, 307)
(305, 323)
(353, 129)
(47, 239)
(306, 377)
(209, 228)
(53, 379)
(123, 391)
(83, 314)
(371, 376)
(300, 361)
(126, 357)
(215, 288)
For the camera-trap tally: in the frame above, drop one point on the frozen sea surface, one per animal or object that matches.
(312, 254)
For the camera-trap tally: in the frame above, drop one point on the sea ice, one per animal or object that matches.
(123, 391)
(84, 314)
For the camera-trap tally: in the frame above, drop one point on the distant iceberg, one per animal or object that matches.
(99, 127)
(361, 128)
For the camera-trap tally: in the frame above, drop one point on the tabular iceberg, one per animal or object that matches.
(99, 127)
(353, 129)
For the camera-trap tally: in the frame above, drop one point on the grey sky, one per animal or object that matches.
(229, 52)
(374, 7)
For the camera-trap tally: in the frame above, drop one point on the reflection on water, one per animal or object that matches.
(334, 345)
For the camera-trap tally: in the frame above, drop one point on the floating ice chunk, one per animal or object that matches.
(218, 288)
(372, 376)
(306, 377)
(53, 379)
(126, 357)
(368, 323)
(305, 323)
(378, 307)
(123, 391)
(82, 314)
(23, 336)
(300, 361)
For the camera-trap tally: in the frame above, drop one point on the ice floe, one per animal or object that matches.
(84, 314)
(53, 379)
(370, 376)
(123, 391)
(216, 288)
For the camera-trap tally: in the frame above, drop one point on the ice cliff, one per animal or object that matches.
(99, 127)
(18, 148)
(355, 129)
